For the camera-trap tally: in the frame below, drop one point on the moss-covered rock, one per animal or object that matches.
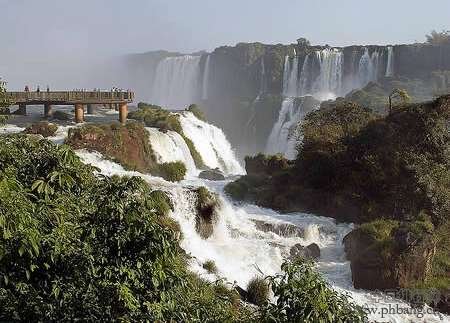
(127, 144)
(157, 117)
(207, 205)
(42, 128)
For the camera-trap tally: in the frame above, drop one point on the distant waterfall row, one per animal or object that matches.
(325, 74)
(180, 81)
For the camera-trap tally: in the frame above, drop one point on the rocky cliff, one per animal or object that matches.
(235, 83)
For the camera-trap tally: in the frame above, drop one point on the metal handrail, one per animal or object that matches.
(67, 96)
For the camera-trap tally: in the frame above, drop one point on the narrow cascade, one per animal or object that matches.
(290, 87)
(368, 67)
(305, 75)
(205, 84)
(262, 82)
(285, 133)
(171, 147)
(390, 62)
(328, 85)
(177, 81)
(211, 143)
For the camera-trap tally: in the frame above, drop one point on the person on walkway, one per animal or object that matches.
(48, 89)
(38, 89)
(27, 89)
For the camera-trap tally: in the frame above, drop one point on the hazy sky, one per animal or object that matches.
(48, 35)
(36, 28)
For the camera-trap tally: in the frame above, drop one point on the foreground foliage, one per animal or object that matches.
(75, 246)
(302, 295)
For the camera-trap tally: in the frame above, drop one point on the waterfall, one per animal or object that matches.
(328, 85)
(206, 78)
(285, 133)
(305, 75)
(390, 62)
(290, 86)
(211, 143)
(176, 82)
(368, 67)
(262, 82)
(170, 147)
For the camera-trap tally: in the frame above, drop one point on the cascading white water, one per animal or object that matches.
(170, 147)
(304, 76)
(205, 84)
(290, 85)
(328, 85)
(284, 136)
(368, 67)
(177, 81)
(211, 143)
(390, 62)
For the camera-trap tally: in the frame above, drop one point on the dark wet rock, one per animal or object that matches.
(212, 175)
(397, 263)
(282, 229)
(311, 251)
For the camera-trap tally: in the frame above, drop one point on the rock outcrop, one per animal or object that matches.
(212, 175)
(311, 251)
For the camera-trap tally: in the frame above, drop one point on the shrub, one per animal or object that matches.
(210, 266)
(172, 171)
(258, 291)
(304, 296)
(206, 206)
(42, 128)
(195, 110)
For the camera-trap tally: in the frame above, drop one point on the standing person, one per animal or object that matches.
(27, 89)
(48, 89)
(38, 89)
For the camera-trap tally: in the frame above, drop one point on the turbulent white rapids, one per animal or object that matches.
(211, 143)
(239, 249)
(171, 147)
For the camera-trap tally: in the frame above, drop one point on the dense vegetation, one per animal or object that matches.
(79, 246)
(155, 116)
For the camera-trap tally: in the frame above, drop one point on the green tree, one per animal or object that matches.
(398, 94)
(439, 38)
(4, 103)
(304, 296)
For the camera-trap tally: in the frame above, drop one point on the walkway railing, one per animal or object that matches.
(70, 96)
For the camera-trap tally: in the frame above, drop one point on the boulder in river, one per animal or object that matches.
(311, 251)
(282, 229)
(212, 175)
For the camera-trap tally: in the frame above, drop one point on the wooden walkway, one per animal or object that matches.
(79, 99)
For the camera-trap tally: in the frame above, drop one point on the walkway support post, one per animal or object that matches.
(22, 109)
(79, 113)
(123, 112)
(48, 110)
